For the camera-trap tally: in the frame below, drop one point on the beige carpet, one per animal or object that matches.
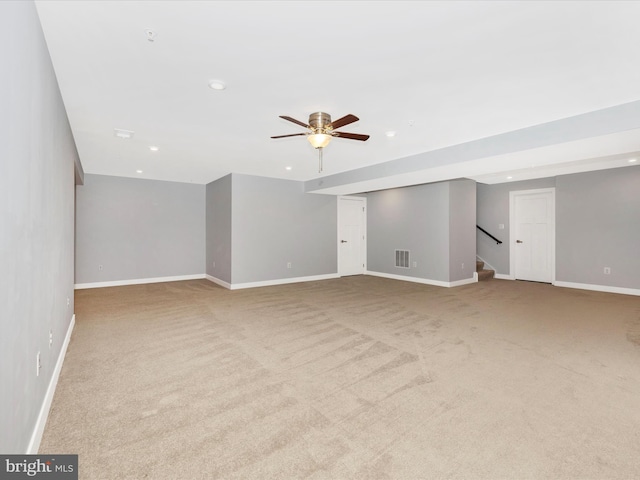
(354, 378)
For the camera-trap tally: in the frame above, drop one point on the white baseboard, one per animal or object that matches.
(222, 283)
(138, 281)
(502, 276)
(599, 288)
(465, 281)
(424, 281)
(269, 283)
(36, 437)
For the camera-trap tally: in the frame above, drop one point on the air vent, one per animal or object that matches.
(402, 258)
(124, 134)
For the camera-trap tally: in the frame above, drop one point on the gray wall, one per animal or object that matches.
(138, 229)
(218, 229)
(597, 226)
(274, 222)
(37, 157)
(493, 210)
(462, 229)
(411, 218)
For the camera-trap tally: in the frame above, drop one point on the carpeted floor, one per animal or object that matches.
(353, 378)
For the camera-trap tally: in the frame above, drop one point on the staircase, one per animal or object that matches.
(482, 273)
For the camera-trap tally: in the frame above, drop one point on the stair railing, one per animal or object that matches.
(487, 233)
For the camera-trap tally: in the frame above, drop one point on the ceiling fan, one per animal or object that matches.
(321, 129)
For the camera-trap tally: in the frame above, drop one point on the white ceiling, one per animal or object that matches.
(437, 73)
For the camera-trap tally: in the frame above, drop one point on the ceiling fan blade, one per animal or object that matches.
(346, 120)
(291, 135)
(351, 136)
(297, 122)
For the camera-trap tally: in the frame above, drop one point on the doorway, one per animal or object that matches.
(532, 235)
(352, 227)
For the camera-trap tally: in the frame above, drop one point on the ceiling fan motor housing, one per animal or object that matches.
(319, 121)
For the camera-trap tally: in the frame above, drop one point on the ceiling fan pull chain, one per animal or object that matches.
(320, 160)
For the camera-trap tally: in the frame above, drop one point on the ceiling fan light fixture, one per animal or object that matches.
(319, 140)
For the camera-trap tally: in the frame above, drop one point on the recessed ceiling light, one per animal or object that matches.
(217, 84)
(390, 133)
(153, 148)
(287, 168)
(509, 178)
(120, 133)
(138, 171)
(633, 160)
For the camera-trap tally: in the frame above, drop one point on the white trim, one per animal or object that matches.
(36, 437)
(502, 276)
(269, 283)
(424, 281)
(465, 281)
(222, 283)
(512, 229)
(364, 229)
(138, 281)
(599, 288)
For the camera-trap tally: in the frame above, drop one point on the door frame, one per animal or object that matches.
(512, 229)
(363, 242)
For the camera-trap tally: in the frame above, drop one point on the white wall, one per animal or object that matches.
(37, 158)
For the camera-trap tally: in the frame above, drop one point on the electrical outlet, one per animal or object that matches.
(415, 264)
(38, 365)
(501, 226)
(68, 301)
(50, 338)
(214, 264)
(462, 267)
(288, 264)
(607, 270)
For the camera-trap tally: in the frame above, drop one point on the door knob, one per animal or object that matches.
(519, 241)
(343, 241)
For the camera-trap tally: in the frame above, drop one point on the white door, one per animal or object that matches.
(351, 235)
(532, 235)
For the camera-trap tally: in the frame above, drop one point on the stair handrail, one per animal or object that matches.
(487, 233)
